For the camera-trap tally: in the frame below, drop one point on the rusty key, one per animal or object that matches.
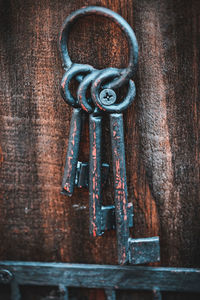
(95, 163)
(105, 100)
(72, 152)
(77, 119)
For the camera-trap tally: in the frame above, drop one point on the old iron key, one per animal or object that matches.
(95, 161)
(70, 168)
(75, 128)
(98, 212)
(105, 100)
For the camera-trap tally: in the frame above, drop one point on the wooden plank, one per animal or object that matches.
(105, 276)
(161, 130)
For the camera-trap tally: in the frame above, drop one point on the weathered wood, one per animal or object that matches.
(161, 130)
(105, 276)
(167, 128)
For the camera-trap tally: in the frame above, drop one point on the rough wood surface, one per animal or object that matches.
(161, 130)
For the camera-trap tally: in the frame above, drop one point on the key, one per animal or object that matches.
(108, 97)
(105, 100)
(120, 184)
(95, 163)
(77, 120)
(72, 152)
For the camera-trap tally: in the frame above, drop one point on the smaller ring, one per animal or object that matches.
(75, 69)
(117, 107)
(82, 89)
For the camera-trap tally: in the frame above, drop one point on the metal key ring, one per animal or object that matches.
(124, 74)
(75, 69)
(114, 107)
(82, 89)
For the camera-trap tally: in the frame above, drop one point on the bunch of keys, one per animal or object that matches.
(103, 100)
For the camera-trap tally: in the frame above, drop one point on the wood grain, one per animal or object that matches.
(161, 130)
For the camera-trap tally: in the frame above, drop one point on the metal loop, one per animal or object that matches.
(76, 69)
(95, 91)
(81, 94)
(124, 74)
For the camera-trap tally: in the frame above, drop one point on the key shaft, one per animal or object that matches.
(95, 122)
(120, 185)
(72, 152)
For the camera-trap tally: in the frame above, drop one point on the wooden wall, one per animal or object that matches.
(37, 223)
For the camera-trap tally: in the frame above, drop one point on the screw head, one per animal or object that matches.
(5, 276)
(107, 97)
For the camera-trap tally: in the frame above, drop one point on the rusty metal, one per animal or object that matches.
(75, 69)
(144, 250)
(95, 174)
(124, 74)
(120, 185)
(5, 276)
(108, 277)
(101, 98)
(97, 84)
(72, 152)
(75, 128)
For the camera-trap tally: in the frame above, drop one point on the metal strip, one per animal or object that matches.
(95, 175)
(144, 250)
(104, 276)
(72, 152)
(120, 185)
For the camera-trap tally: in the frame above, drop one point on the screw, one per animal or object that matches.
(107, 97)
(5, 276)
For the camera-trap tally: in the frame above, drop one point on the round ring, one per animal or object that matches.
(124, 74)
(75, 69)
(82, 89)
(95, 91)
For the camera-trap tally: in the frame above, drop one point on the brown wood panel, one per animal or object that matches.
(168, 121)
(161, 130)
